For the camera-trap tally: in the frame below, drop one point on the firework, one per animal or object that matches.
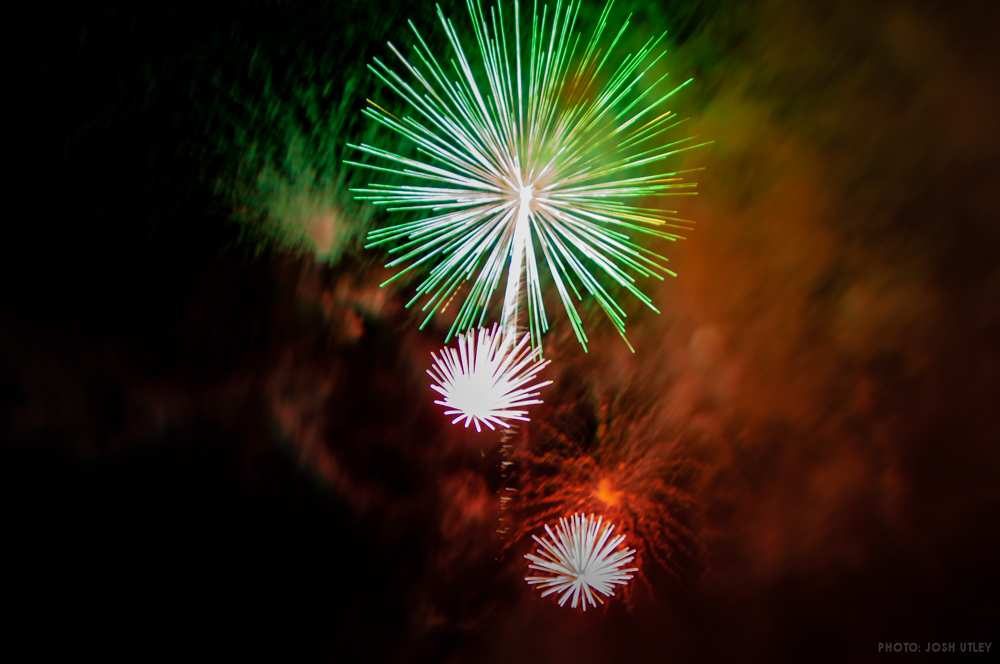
(488, 379)
(538, 155)
(627, 469)
(580, 561)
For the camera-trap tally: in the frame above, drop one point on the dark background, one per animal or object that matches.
(217, 450)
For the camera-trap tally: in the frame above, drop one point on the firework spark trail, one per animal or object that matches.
(530, 155)
(580, 561)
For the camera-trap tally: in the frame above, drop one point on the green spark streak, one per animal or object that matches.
(525, 158)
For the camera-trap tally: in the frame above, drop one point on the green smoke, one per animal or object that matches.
(277, 121)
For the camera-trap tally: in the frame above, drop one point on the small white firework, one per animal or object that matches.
(488, 380)
(579, 559)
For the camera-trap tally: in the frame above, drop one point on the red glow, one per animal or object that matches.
(626, 475)
(606, 493)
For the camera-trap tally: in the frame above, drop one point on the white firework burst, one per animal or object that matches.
(488, 379)
(581, 561)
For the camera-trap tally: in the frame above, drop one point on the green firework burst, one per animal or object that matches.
(546, 152)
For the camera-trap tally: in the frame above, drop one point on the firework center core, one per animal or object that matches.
(527, 194)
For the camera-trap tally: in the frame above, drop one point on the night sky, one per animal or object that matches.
(219, 441)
